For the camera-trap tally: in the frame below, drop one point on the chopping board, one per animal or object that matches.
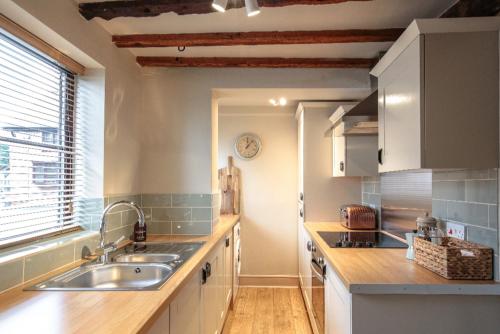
(229, 186)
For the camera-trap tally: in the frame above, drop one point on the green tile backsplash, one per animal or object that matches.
(466, 197)
(164, 213)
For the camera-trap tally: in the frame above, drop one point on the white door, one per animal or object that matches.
(228, 269)
(301, 154)
(339, 155)
(400, 111)
(210, 293)
(337, 305)
(185, 309)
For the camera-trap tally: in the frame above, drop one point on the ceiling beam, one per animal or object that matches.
(257, 38)
(471, 8)
(145, 8)
(256, 62)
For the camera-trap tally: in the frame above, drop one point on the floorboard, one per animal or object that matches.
(268, 311)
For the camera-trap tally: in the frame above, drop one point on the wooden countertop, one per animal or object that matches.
(100, 311)
(387, 271)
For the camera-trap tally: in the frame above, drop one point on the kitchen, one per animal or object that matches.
(208, 167)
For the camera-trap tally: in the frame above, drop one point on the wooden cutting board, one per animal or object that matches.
(229, 188)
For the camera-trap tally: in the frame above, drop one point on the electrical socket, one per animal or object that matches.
(455, 230)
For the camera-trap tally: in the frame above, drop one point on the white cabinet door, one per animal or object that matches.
(306, 269)
(339, 158)
(301, 255)
(300, 117)
(337, 305)
(212, 292)
(228, 270)
(185, 309)
(162, 324)
(400, 116)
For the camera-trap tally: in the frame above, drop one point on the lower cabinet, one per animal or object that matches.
(212, 291)
(337, 305)
(201, 305)
(185, 309)
(162, 324)
(228, 270)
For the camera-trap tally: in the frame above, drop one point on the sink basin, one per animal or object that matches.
(113, 276)
(148, 257)
(138, 266)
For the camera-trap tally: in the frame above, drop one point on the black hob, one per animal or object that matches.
(358, 239)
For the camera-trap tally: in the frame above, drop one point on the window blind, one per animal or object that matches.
(38, 157)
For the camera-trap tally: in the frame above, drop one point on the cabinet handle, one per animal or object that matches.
(203, 276)
(208, 269)
(301, 196)
(341, 166)
(227, 242)
(380, 156)
(301, 213)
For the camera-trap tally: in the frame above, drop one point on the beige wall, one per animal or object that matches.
(59, 23)
(269, 187)
(177, 117)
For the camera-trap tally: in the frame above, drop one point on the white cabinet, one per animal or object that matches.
(337, 305)
(185, 309)
(162, 324)
(228, 270)
(212, 291)
(305, 278)
(354, 154)
(438, 90)
(318, 190)
(236, 260)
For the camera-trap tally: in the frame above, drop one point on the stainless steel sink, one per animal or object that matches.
(149, 257)
(112, 276)
(138, 266)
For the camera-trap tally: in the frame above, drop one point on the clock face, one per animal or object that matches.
(247, 146)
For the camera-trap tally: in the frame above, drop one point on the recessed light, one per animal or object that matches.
(274, 102)
(282, 101)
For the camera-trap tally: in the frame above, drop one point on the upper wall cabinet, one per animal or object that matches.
(355, 139)
(438, 96)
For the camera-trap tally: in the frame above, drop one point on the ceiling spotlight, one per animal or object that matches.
(282, 101)
(219, 5)
(252, 7)
(274, 102)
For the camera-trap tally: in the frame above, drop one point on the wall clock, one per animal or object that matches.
(247, 146)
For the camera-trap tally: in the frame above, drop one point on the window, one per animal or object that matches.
(37, 153)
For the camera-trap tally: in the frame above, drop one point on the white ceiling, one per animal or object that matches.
(374, 14)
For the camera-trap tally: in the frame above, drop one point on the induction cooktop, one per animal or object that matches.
(358, 239)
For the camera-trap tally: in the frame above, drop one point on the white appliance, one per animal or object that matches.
(237, 260)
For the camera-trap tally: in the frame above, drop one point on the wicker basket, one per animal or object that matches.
(455, 259)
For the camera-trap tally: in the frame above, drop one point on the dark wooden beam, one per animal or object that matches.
(257, 38)
(257, 62)
(470, 8)
(144, 8)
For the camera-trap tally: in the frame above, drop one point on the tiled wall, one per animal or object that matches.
(371, 195)
(181, 213)
(466, 197)
(21, 264)
(469, 198)
(165, 214)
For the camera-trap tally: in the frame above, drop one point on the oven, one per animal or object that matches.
(318, 269)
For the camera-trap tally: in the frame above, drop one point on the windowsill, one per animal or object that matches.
(20, 251)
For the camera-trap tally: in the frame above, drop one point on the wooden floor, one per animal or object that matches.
(268, 311)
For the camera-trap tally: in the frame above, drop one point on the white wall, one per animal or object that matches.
(59, 23)
(268, 187)
(177, 119)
